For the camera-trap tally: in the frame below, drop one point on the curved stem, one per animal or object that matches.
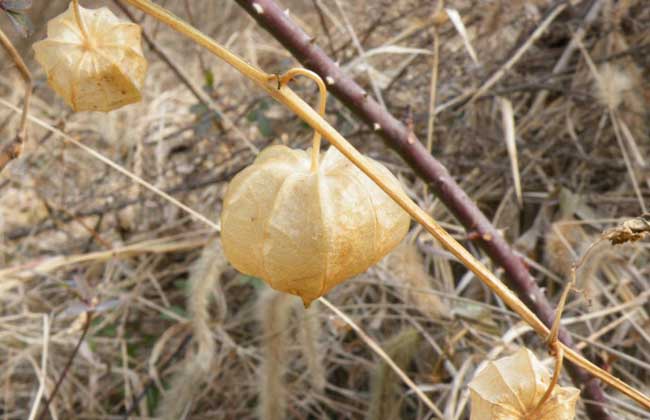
(299, 71)
(553, 342)
(76, 9)
(291, 100)
(559, 358)
(555, 328)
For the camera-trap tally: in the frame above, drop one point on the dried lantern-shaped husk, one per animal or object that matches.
(97, 68)
(511, 388)
(304, 231)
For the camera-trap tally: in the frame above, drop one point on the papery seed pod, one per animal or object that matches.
(511, 388)
(304, 232)
(97, 67)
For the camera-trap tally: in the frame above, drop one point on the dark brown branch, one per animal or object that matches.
(271, 17)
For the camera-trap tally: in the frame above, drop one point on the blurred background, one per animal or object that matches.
(170, 314)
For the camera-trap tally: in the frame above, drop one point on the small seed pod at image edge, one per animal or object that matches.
(304, 231)
(95, 63)
(511, 388)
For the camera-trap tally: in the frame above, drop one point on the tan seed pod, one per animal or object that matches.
(304, 231)
(511, 388)
(95, 63)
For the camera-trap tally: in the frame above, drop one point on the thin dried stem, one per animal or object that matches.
(43, 375)
(13, 149)
(555, 348)
(552, 341)
(433, 86)
(286, 78)
(73, 355)
(559, 358)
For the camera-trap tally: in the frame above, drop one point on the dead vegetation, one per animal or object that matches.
(76, 235)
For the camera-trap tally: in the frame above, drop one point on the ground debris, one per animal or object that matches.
(631, 230)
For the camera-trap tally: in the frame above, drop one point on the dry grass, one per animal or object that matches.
(74, 229)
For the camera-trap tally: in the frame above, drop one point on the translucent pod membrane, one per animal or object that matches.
(99, 69)
(511, 388)
(305, 232)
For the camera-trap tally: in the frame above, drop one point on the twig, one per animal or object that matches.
(433, 85)
(12, 150)
(397, 137)
(73, 355)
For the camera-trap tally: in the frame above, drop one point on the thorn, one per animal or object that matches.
(258, 8)
(411, 139)
(473, 235)
(410, 126)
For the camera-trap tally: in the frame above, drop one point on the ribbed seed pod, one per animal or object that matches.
(304, 232)
(511, 388)
(100, 67)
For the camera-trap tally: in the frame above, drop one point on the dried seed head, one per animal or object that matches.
(613, 85)
(304, 232)
(101, 68)
(510, 389)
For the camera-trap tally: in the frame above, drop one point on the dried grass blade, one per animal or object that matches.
(508, 120)
(457, 21)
